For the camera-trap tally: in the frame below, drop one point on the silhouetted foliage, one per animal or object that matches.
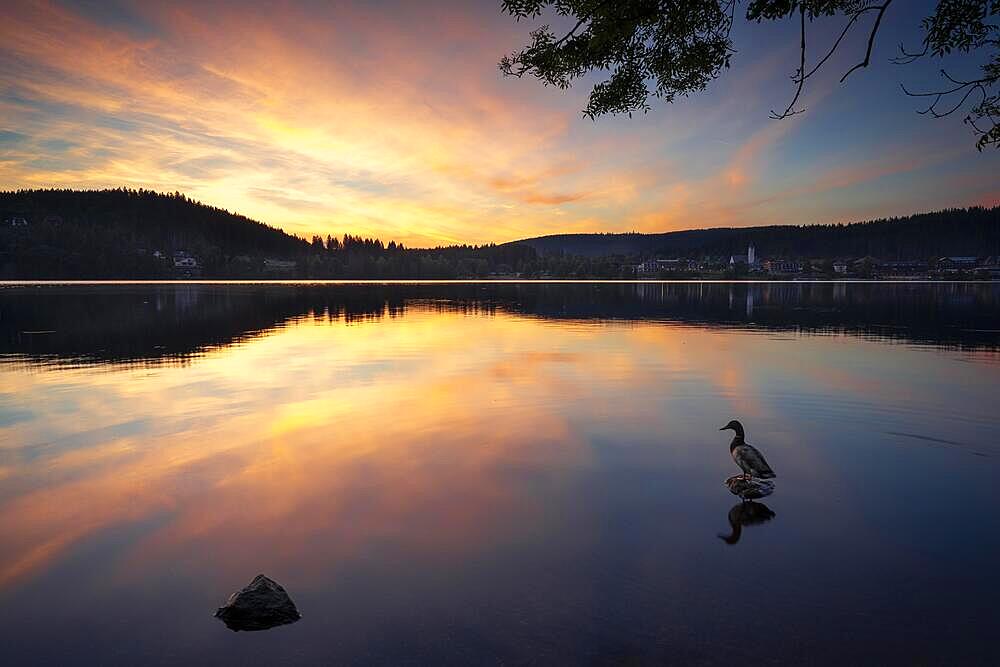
(666, 49)
(964, 26)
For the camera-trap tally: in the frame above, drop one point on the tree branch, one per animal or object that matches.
(906, 57)
(801, 71)
(843, 34)
(871, 41)
(939, 96)
(572, 32)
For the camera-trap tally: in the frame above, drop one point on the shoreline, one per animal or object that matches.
(459, 281)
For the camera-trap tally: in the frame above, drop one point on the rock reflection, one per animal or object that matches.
(746, 513)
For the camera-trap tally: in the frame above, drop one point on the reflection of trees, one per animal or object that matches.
(175, 321)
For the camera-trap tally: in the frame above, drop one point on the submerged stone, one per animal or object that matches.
(260, 605)
(749, 489)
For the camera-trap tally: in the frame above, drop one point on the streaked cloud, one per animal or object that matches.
(390, 119)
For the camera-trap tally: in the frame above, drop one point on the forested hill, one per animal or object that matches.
(961, 231)
(131, 218)
(124, 233)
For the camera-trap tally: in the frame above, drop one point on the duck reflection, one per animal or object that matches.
(746, 513)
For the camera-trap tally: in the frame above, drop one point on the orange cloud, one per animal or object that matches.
(387, 120)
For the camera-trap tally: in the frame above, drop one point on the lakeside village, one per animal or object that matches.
(749, 265)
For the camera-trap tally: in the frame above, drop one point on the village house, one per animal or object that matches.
(989, 268)
(750, 259)
(956, 264)
(279, 265)
(653, 266)
(781, 266)
(906, 267)
(865, 265)
(186, 264)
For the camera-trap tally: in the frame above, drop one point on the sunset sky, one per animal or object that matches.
(391, 119)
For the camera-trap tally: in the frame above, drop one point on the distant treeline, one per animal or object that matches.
(127, 233)
(958, 231)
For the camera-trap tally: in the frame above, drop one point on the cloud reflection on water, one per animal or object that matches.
(442, 435)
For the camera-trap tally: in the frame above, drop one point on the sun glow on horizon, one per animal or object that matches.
(392, 121)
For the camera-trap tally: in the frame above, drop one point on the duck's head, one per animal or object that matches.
(734, 426)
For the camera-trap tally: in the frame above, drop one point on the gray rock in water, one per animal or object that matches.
(261, 605)
(749, 489)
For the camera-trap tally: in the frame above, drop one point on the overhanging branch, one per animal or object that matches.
(871, 41)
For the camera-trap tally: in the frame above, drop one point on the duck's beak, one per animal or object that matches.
(723, 428)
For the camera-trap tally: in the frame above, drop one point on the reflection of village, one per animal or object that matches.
(752, 265)
(869, 309)
(172, 323)
(743, 299)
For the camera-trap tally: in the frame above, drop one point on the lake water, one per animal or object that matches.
(500, 473)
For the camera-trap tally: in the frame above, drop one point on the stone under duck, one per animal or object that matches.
(749, 489)
(747, 457)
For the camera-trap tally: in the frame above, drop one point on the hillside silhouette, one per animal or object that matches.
(124, 233)
(101, 233)
(960, 231)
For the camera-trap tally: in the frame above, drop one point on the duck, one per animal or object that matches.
(747, 457)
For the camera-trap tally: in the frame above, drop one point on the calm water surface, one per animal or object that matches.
(500, 473)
